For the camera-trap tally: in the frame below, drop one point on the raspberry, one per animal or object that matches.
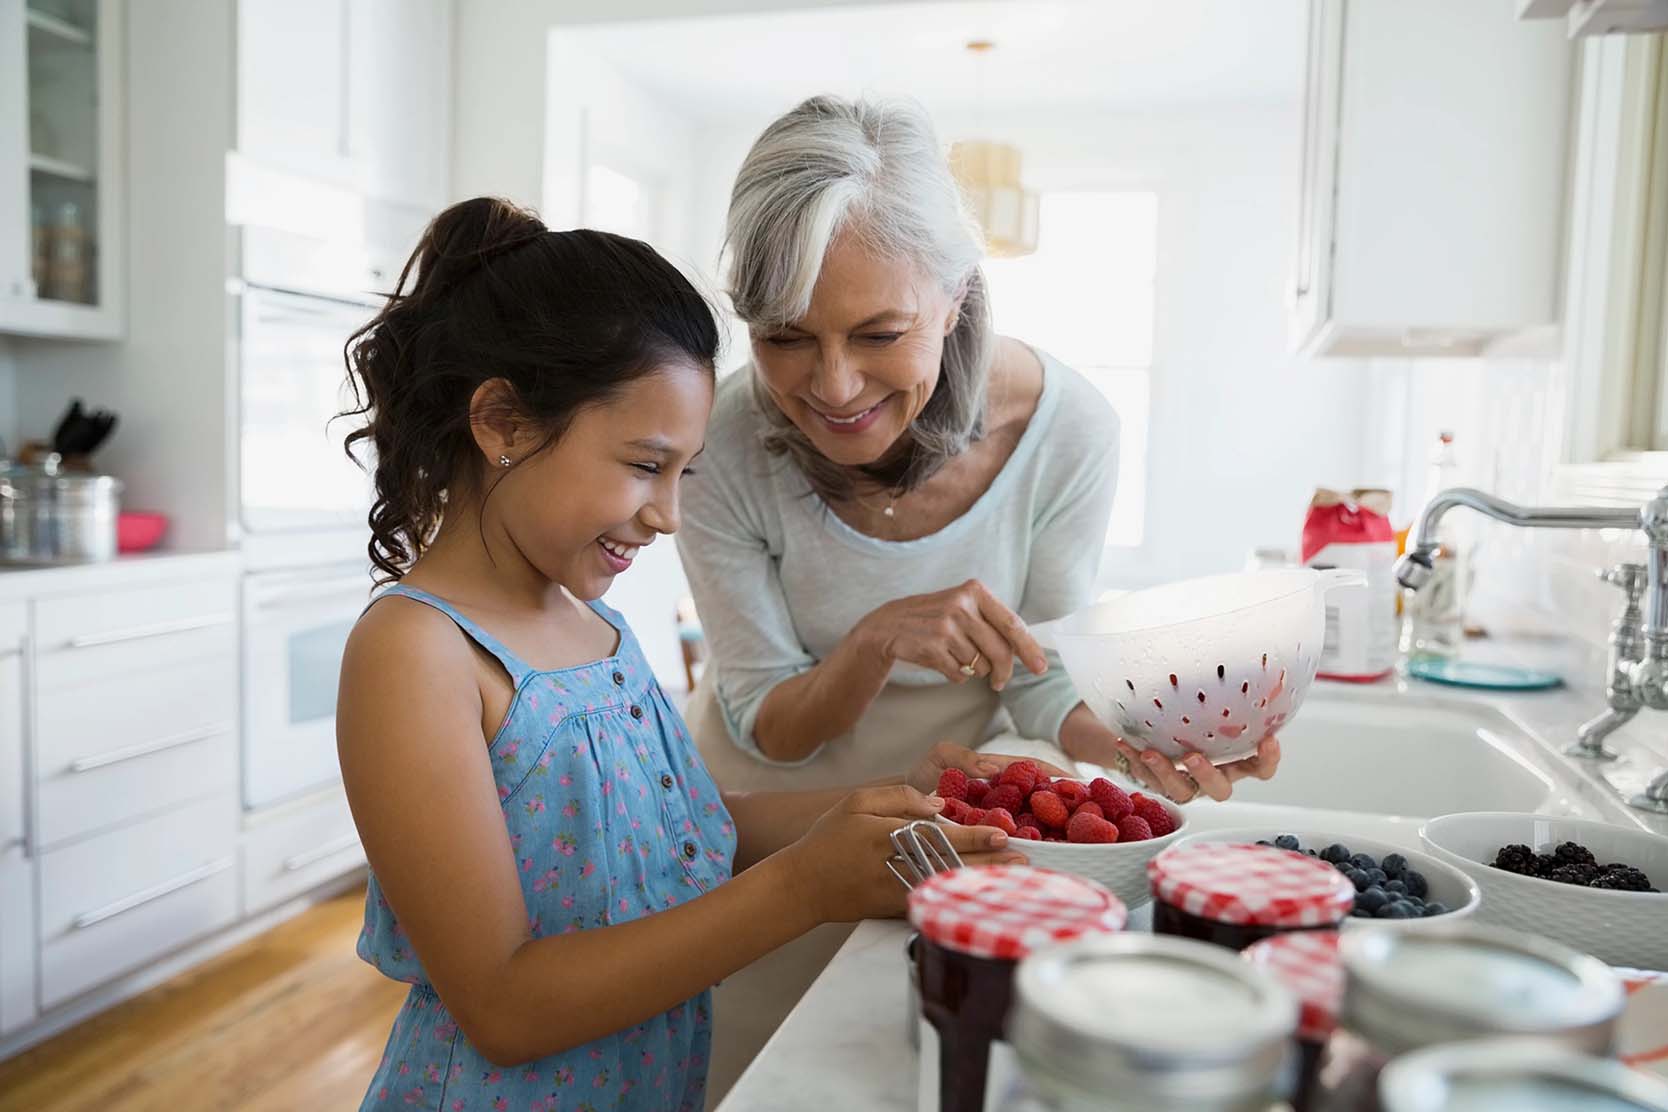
(952, 784)
(1022, 775)
(1029, 834)
(975, 817)
(1112, 799)
(1050, 809)
(1155, 814)
(1087, 829)
(1028, 819)
(1052, 838)
(1133, 828)
(977, 790)
(1074, 794)
(956, 810)
(999, 818)
(1005, 796)
(1089, 808)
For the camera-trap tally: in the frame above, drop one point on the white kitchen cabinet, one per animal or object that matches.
(61, 190)
(17, 940)
(1432, 180)
(13, 644)
(289, 850)
(353, 92)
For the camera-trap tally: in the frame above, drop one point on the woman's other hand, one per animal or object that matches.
(1087, 739)
(959, 633)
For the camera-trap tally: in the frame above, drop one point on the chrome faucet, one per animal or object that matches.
(1638, 668)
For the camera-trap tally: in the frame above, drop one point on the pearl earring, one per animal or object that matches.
(503, 461)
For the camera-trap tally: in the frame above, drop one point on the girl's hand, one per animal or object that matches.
(839, 867)
(923, 777)
(947, 630)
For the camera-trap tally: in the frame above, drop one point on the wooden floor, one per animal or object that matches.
(290, 1020)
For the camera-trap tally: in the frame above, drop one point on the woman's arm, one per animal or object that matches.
(419, 780)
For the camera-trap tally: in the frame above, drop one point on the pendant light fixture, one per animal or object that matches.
(988, 173)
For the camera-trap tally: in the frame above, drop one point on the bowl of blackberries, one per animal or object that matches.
(1587, 884)
(1393, 886)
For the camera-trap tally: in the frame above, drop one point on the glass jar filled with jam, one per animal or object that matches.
(1306, 963)
(1521, 1075)
(1135, 1023)
(1405, 990)
(1235, 895)
(975, 925)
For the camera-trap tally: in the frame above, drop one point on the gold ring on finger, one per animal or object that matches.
(971, 668)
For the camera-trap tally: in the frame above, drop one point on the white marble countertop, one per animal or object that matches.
(35, 580)
(847, 1045)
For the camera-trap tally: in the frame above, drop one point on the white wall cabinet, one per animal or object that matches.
(61, 168)
(1433, 167)
(13, 645)
(17, 941)
(353, 92)
(17, 888)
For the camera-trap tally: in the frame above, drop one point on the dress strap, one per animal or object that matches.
(518, 669)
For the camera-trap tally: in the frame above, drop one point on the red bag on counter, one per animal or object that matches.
(1352, 532)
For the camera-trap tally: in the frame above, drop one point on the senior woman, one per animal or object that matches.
(890, 491)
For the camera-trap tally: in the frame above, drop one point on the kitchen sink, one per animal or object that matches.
(1365, 755)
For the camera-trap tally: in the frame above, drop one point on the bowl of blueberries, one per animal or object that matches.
(1586, 884)
(1393, 886)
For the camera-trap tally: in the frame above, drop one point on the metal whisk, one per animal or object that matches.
(923, 849)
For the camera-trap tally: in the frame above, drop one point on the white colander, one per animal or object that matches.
(1210, 666)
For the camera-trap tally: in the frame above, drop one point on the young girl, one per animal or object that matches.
(551, 863)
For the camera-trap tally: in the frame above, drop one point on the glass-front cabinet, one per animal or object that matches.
(61, 161)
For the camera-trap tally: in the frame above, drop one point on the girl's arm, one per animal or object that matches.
(418, 777)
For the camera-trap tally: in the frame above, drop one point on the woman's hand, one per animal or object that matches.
(923, 777)
(839, 866)
(1087, 739)
(950, 630)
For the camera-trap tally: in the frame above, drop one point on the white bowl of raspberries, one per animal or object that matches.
(1092, 829)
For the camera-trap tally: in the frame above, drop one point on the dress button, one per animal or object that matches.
(619, 678)
(666, 780)
(636, 711)
(689, 851)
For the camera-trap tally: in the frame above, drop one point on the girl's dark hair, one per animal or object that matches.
(565, 318)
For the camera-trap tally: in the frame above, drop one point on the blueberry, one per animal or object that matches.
(1377, 875)
(1372, 899)
(1335, 853)
(1361, 913)
(1437, 908)
(1396, 887)
(1362, 861)
(1394, 864)
(1415, 882)
(1359, 879)
(1287, 841)
(1264, 842)
(1401, 909)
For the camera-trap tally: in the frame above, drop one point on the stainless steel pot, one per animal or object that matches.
(52, 516)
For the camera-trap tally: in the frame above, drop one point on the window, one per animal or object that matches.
(1086, 296)
(618, 202)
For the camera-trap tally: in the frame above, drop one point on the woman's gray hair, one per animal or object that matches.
(874, 170)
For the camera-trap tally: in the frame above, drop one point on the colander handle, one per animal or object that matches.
(1341, 577)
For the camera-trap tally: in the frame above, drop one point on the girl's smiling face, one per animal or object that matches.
(579, 510)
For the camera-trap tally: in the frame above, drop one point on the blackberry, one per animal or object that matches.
(1545, 863)
(1573, 853)
(1622, 880)
(1574, 874)
(1518, 859)
(1394, 864)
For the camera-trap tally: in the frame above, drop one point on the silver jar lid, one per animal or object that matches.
(47, 481)
(1517, 1074)
(1404, 990)
(1152, 1021)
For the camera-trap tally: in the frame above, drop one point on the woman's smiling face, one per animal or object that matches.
(859, 366)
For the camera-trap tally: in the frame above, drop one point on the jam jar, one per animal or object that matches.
(1138, 1022)
(1405, 990)
(1306, 963)
(975, 926)
(1517, 1074)
(1234, 895)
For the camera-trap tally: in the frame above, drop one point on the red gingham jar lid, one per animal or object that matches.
(1006, 911)
(1306, 962)
(1251, 885)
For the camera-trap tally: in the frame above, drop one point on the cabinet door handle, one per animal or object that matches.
(13, 843)
(152, 894)
(140, 633)
(146, 748)
(314, 856)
